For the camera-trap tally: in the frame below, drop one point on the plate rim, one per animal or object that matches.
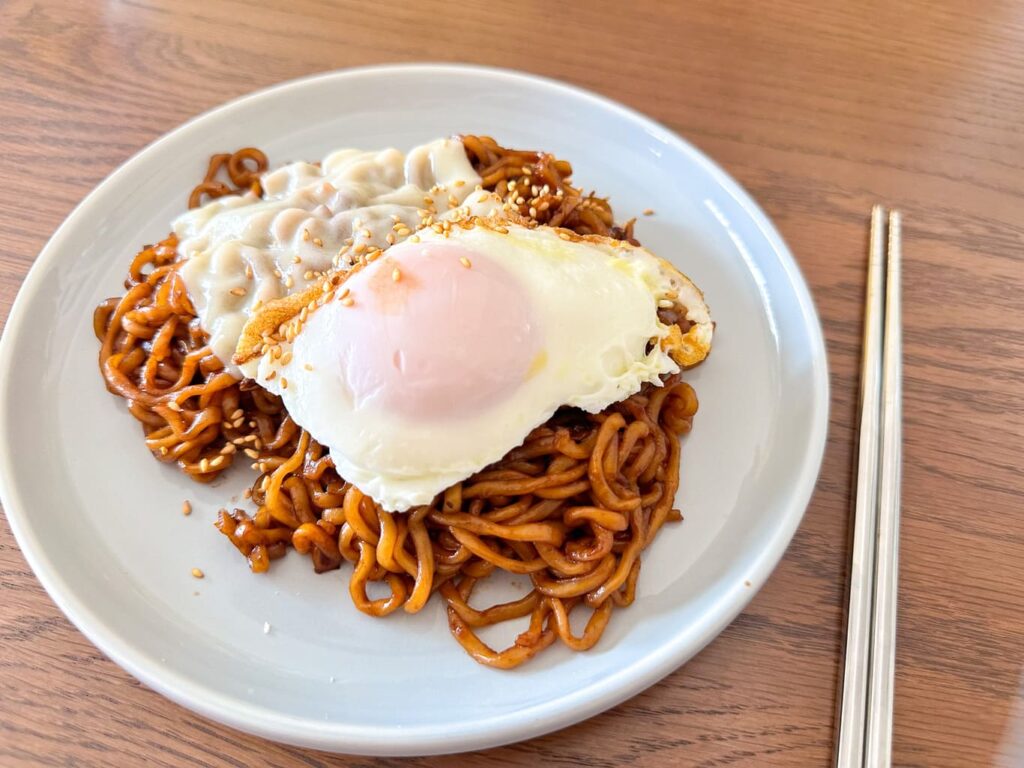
(532, 721)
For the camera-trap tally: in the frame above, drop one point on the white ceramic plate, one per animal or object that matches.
(100, 521)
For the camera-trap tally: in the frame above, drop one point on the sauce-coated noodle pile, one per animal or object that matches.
(572, 508)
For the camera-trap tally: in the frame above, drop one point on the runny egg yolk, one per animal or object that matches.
(435, 330)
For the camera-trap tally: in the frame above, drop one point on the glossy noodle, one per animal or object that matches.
(572, 509)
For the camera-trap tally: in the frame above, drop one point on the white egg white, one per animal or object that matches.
(597, 307)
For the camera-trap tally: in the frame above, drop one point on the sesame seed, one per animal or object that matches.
(367, 233)
(271, 375)
(204, 465)
(347, 301)
(396, 218)
(228, 449)
(308, 367)
(564, 235)
(289, 282)
(163, 450)
(186, 507)
(305, 235)
(414, 239)
(218, 461)
(286, 358)
(251, 453)
(396, 274)
(665, 303)
(318, 242)
(460, 183)
(196, 573)
(284, 383)
(173, 405)
(247, 493)
(296, 259)
(533, 212)
(465, 262)
(277, 273)
(237, 291)
(248, 271)
(648, 211)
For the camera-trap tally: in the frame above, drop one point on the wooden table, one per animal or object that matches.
(819, 109)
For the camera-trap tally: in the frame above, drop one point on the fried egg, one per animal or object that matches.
(427, 364)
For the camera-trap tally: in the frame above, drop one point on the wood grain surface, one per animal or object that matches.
(820, 109)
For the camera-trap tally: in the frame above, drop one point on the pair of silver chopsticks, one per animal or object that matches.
(865, 718)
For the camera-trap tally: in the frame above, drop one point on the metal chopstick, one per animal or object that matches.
(878, 739)
(853, 709)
